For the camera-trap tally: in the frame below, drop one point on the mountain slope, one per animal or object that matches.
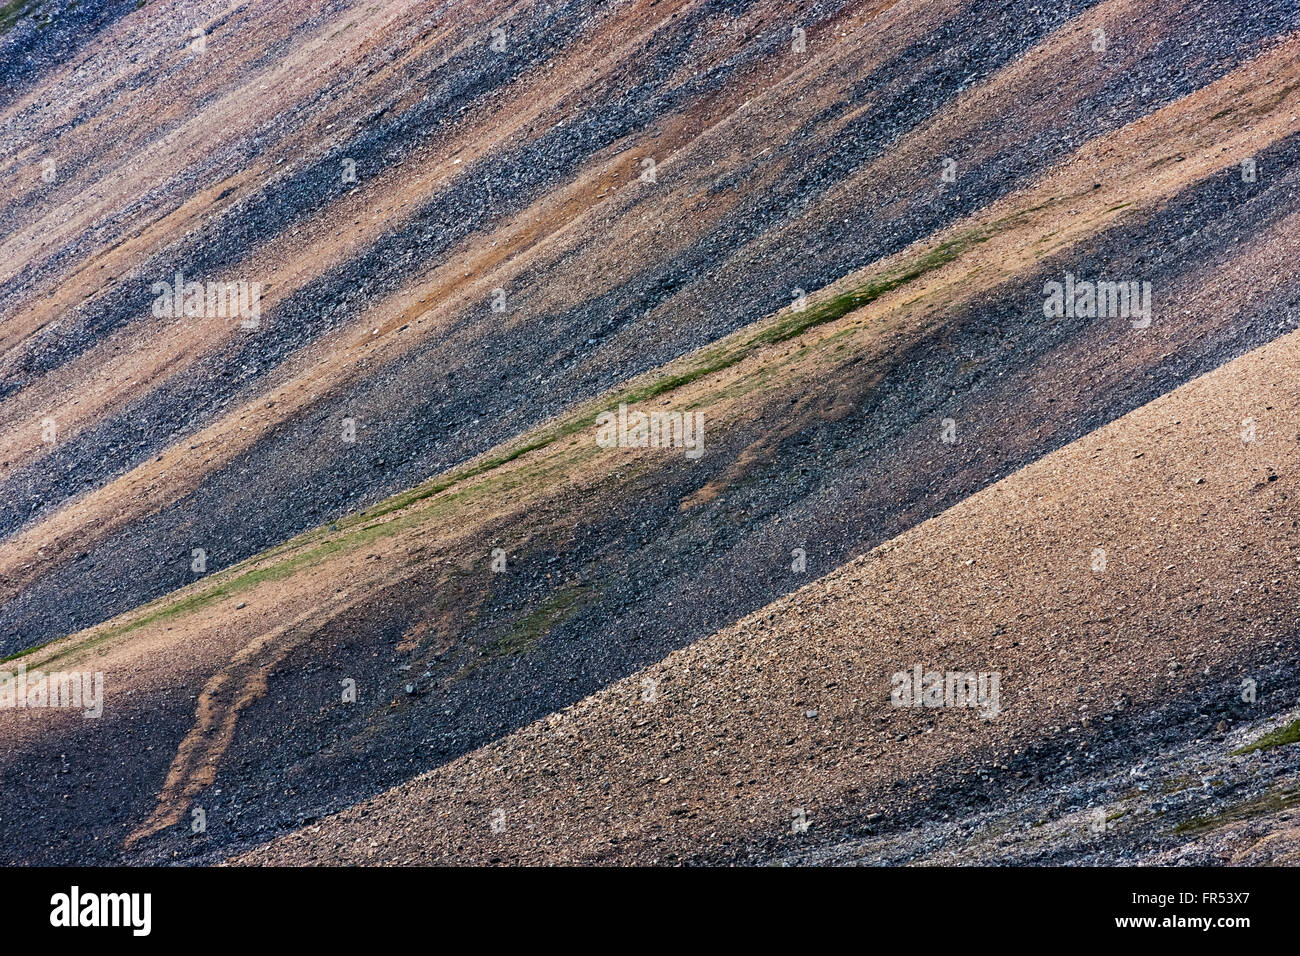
(790, 708)
(475, 561)
(767, 157)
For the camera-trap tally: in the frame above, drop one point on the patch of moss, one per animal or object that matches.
(709, 362)
(11, 12)
(1268, 803)
(1289, 734)
(796, 323)
(1178, 784)
(528, 630)
(167, 607)
(23, 653)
